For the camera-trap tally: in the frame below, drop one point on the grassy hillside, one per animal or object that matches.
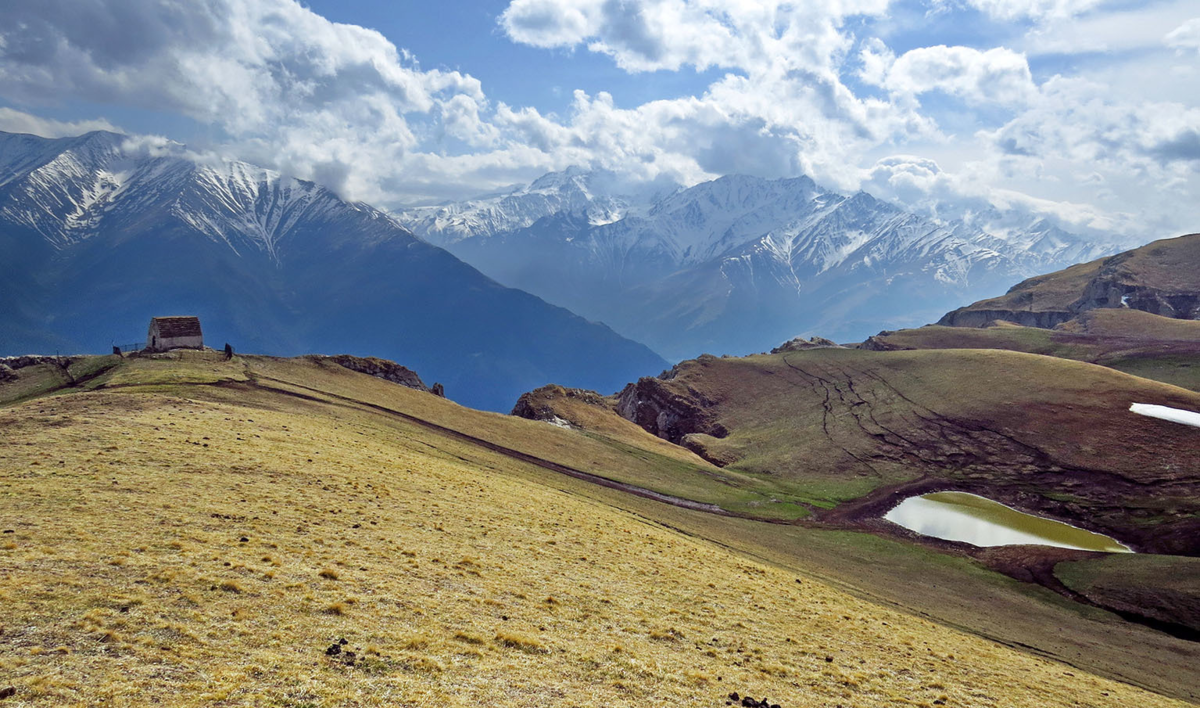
(1165, 589)
(851, 429)
(192, 533)
(1139, 343)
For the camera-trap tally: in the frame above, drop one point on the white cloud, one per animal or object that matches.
(1081, 121)
(1185, 36)
(997, 75)
(652, 35)
(1130, 28)
(14, 121)
(805, 86)
(1033, 9)
(550, 23)
(290, 88)
(921, 184)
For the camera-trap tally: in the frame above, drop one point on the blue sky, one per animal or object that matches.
(1086, 112)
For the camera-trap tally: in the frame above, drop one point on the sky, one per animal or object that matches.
(1086, 112)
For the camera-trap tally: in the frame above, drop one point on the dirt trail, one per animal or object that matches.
(494, 447)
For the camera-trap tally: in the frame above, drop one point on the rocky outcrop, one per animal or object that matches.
(966, 317)
(380, 369)
(663, 410)
(877, 343)
(20, 362)
(1111, 291)
(535, 405)
(801, 344)
(7, 373)
(1159, 278)
(438, 390)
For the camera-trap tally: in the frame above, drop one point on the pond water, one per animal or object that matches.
(969, 518)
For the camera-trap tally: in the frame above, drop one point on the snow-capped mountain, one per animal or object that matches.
(597, 196)
(92, 183)
(739, 263)
(99, 234)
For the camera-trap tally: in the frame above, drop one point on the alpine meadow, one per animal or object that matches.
(594, 353)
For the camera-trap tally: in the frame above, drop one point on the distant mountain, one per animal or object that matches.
(596, 196)
(1161, 278)
(738, 264)
(97, 238)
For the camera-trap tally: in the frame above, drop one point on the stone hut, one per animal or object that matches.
(174, 333)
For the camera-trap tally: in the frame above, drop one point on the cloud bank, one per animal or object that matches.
(820, 88)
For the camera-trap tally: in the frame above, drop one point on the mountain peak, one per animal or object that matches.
(574, 175)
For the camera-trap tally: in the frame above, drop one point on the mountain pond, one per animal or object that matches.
(979, 521)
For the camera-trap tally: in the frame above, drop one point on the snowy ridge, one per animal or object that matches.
(591, 195)
(235, 202)
(797, 222)
(70, 189)
(739, 253)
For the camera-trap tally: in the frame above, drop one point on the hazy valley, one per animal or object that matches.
(739, 264)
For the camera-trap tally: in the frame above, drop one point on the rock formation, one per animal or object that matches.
(380, 369)
(533, 405)
(668, 414)
(800, 344)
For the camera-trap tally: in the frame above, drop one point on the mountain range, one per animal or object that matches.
(740, 263)
(101, 232)
(99, 235)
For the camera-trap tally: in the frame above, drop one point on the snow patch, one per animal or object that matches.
(1175, 415)
(560, 422)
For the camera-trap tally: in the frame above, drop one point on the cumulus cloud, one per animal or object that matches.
(652, 35)
(1145, 26)
(798, 87)
(1079, 120)
(291, 88)
(14, 121)
(973, 194)
(997, 75)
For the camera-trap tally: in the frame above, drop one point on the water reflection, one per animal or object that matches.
(958, 516)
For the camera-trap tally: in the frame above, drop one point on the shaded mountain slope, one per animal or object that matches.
(99, 240)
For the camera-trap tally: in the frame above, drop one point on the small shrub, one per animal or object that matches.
(666, 635)
(469, 638)
(329, 574)
(416, 642)
(522, 643)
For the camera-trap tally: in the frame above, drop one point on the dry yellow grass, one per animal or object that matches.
(169, 547)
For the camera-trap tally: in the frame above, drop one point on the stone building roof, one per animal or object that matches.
(171, 327)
